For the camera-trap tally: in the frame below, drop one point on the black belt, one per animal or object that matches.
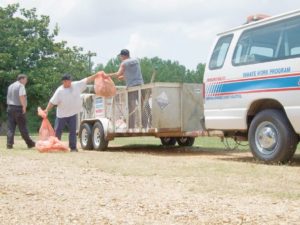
(15, 106)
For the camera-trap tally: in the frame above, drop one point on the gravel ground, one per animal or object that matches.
(146, 186)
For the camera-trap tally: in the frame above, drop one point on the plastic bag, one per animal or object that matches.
(47, 141)
(104, 86)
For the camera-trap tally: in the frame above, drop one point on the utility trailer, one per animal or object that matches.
(172, 112)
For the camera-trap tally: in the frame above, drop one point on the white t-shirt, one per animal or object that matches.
(68, 100)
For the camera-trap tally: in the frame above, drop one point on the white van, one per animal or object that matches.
(252, 86)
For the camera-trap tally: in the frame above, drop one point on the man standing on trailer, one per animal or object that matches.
(130, 70)
(68, 102)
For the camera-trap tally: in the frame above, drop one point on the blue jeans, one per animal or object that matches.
(71, 122)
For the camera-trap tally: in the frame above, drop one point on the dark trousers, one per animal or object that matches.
(16, 117)
(133, 97)
(71, 122)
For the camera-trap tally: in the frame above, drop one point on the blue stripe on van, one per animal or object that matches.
(223, 88)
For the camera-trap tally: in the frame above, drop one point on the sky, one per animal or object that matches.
(181, 30)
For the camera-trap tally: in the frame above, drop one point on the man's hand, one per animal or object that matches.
(48, 108)
(24, 109)
(121, 77)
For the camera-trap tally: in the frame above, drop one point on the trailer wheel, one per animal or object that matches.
(271, 137)
(85, 136)
(99, 142)
(168, 141)
(185, 141)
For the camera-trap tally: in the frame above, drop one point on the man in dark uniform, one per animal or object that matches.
(16, 112)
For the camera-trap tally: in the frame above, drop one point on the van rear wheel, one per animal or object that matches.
(271, 137)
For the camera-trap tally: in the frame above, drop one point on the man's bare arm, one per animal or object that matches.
(120, 72)
(91, 78)
(23, 103)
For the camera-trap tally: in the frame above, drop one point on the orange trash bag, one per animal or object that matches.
(104, 85)
(47, 141)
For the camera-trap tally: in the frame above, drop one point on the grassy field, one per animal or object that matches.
(138, 181)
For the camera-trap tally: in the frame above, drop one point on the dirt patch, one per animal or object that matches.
(141, 185)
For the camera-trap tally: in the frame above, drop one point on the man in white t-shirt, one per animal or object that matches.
(68, 102)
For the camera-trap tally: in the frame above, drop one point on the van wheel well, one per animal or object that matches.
(261, 105)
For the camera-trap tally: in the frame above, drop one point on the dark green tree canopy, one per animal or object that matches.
(28, 46)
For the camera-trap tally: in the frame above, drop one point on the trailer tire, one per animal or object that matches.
(168, 141)
(185, 141)
(85, 136)
(98, 137)
(271, 137)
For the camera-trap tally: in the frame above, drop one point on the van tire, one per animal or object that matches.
(185, 141)
(271, 137)
(168, 141)
(98, 137)
(85, 136)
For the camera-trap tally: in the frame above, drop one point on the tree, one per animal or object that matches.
(28, 46)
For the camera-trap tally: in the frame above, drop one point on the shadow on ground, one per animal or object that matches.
(169, 150)
(242, 156)
(295, 161)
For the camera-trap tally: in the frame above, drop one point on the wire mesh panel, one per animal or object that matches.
(120, 112)
(146, 108)
(132, 110)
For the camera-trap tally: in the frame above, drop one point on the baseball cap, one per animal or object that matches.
(66, 76)
(124, 52)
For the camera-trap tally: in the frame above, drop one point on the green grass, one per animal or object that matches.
(209, 143)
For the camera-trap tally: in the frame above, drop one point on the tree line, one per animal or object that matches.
(28, 45)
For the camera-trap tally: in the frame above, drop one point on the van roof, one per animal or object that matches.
(263, 21)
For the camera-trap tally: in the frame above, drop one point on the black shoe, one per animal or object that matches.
(74, 150)
(32, 145)
(9, 147)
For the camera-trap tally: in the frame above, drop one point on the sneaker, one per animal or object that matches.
(9, 147)
(74, 150)
(32, 145)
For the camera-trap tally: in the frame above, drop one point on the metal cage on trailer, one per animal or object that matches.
(172, 112)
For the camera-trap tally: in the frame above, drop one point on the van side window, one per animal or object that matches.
(276, 41)
(220, 51)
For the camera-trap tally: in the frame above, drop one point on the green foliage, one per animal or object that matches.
(165, 70)
(28, 46)
(169, 71)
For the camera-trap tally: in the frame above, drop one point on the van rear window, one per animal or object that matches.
(276, 41)
(220, 51)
